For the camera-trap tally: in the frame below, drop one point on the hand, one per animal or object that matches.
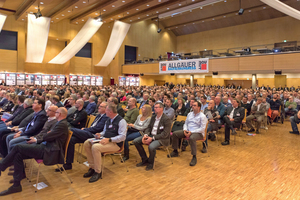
(232, 119)
(146, 139)
(104, 141)
(131, 125)
(211, 120)
(97, 135)
(8, 123)
(290, 107)
(218, 116)
(82, 128)
(32, 140)
(17, 134)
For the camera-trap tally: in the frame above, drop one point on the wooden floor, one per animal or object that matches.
(265, 167)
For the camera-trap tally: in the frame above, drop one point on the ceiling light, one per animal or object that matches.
(123, 1)
(179, 4)
(137, 9)
(147, 15)
(264, 7)
(36, 8)
(113, 6)
(225, 1)
(193, 23)
(52, 21)
(82, 20)
(111, 18)
(200, 7)
(159, 0)
(96, 13)
(130, 20)
(76, 6)
(202, 21)
(147, 5)
(249, 10)
(184, 25)
(69, 10)
(83, 2)
(193, 0)
(62, 15)
(127, 13)
(157, 12)
(42, 3)
(56, 38)
(57, 18)
(224, 16)
(168, 8)
(176, 27)
(23, 19)
(190, 10)
(213, 19)
(104, 10)
(76, 22)
(138, 18)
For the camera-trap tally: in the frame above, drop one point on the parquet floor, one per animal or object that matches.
(265, 167)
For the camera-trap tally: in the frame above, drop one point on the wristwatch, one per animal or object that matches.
(109, 140)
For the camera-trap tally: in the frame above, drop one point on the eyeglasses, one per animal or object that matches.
(50, 110)
(57, 112)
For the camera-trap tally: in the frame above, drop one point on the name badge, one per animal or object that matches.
(238, 114)
(110, 126)
(161, 127)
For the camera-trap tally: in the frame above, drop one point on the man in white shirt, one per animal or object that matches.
(193, 129)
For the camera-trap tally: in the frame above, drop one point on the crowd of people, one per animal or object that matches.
(36, 120)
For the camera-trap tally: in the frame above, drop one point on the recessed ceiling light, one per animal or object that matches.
(83, 2)
(127, 13)
(56, 38)
(168, 29)
(69, 10)
(108, 26)
(96, 13)
(137, 9)
(52, 21)
(119, 16)
(147, 5)
(76, 22)
(76, 6)
(224, 16)
(147, 15)
(104, 10)
(193, 0)
(123, 1)
(225, 1)
(213, 19)
(168, 8)
(138, 18)
(264, 7)
(200, 7)
(41, 2)
(113, 6)
(180, 4)
(104, 21)
(157, 12)
(36, 7)
(202, 21)
(130, 20)
(176, 27)
(82, 20)
(193, 23)
(190, 10)
(111, 18)
(57, 18)
(23, 19)
(62, 15)
(159, 0)
(31, 12)
(184, 25)
(249, 10)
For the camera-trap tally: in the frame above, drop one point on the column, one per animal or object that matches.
(253, 81)
(192, 81)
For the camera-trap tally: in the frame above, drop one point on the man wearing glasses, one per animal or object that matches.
(193, 129)
(81, 135)
(72, 100)
(49, 147)
(156, 135)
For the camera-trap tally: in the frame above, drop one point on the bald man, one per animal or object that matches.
(49, 147)
(79, 117)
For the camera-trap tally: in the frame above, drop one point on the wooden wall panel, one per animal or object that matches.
(8, 60)
(287, 61)
(256, 63)
(293, 82)
(225, 64)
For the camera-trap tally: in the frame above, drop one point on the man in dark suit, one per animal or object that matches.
(233, 119)
(81, 135)
(90, 108)
(33, 127)
(79, 117)
(4, 100)
(17, 111)
(49, 147)
(156, 135)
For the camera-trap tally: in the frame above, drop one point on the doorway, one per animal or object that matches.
(159, 82)
(243, 83)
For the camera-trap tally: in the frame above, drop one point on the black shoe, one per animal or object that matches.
(184, 145)
(66, 166)
(173, 154)
(12, 180)
(149, 167)
(193, 161)
(204, 150)
(143, 163)
(11, 190)
(89, 173)
(225, 143)
(125, 158)
(233, 132)
(294, 132)
(257, 132)
(251, 130)
(96, 176)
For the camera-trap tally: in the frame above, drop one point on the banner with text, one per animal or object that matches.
(192, 66)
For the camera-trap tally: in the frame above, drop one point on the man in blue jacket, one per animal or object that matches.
(90, 108)
(81, 135)
(33, 127)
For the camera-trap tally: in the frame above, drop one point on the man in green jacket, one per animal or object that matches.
(132, 113)
(290, 106)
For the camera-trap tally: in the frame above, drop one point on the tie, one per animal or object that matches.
(29, 124)
(96, 120)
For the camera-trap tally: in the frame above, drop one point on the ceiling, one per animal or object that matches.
(180, 16)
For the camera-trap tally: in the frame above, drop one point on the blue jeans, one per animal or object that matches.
(11, 142)
(286, 110)
(294, 123)
(130, 137)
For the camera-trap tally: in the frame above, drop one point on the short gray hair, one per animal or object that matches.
(161, 105)
(28, 102)
(92, 97)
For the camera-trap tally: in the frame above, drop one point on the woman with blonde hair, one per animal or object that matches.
(141, 123)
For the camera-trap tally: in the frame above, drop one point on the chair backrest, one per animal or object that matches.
(123, 106)
(91, 120)
(87, 121)
(140, 111)
(244, 120)
(138, 105)
(279, 111)
(70, 133)
(181, 118)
